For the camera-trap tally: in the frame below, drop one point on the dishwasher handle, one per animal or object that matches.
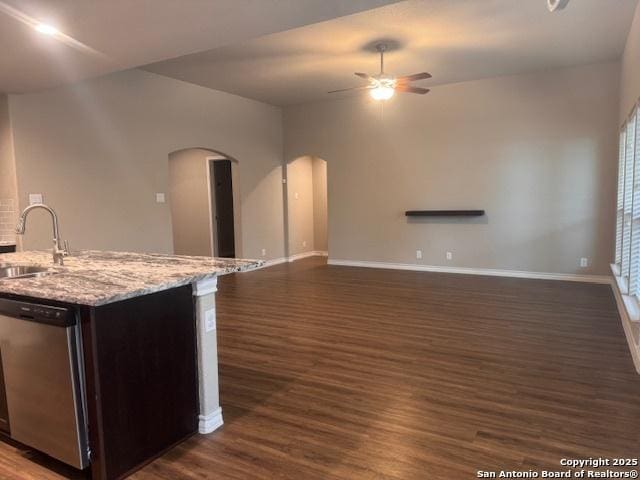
(34, 312)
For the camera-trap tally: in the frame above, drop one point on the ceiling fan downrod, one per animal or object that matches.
(381, 47)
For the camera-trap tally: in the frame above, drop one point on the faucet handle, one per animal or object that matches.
(66, 248)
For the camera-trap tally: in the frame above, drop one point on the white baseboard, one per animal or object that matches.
(211, 422)
(315, 253)
(272, 262)
(474, 271)
(292, 258)
(627, 325)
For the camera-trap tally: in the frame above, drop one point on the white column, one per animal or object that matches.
(209, 390)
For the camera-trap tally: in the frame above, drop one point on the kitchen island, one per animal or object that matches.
(147, 360)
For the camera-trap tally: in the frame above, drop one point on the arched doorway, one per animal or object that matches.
(204, 203)
(306, 207)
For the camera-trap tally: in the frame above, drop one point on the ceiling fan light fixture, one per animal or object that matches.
(383, 86)
(46, 29)
(556, 5)
(382, 92)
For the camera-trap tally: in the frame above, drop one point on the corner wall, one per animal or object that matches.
(8, 188)
(320, 241)
(537, 151)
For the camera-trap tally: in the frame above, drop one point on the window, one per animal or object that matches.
(627, 254)
(626, 212)
(620, 207)
(634, 256)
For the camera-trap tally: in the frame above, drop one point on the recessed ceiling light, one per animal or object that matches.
(46, 29)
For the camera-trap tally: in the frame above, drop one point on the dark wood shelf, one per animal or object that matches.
(444, 213)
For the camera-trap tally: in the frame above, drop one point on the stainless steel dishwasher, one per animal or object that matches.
(40, 349)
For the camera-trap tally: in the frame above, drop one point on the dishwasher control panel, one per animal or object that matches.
(59, 316)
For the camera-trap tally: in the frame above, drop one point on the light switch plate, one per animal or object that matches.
(160, 198)
(35, 198)
(209, 320)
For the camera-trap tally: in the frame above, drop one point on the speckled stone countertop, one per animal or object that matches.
(96, 278)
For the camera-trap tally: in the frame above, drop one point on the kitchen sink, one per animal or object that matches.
(8, 272)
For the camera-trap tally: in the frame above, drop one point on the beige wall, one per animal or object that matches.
(98, 151)
(189, 202)
(300, 203)
(8, 193)
(537, 152)
(630, 69)
(320, 241)
(7, 166)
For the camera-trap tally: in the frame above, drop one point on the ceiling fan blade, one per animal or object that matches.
(367, 87)
(365, 76)
(413, 78)
(410, 89)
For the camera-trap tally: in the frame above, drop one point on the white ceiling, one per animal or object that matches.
(454, 40)
(111, 35)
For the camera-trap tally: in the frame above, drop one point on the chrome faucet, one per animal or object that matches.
(59, 251)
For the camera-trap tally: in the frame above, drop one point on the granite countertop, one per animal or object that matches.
(96, 278)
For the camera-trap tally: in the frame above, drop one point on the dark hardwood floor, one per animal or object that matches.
(346, 373)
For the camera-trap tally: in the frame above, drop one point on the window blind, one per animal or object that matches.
(627, 254)
(635, 253)
(628, 202)
(634, 256)
(620, 202)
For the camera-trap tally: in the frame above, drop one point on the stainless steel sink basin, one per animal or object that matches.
(8, 272)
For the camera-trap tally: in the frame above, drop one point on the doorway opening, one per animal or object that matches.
(307, 207)
(222, 211)
(203, 199)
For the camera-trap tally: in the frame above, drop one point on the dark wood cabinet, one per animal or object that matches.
(141, 377)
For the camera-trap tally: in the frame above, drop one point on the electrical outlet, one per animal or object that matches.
(35, 198)
(296, 195)
(418, 254)
(449, 256)
(584, 262)
(304, 243)
(161, 198)
(264, 252)
(210, 320)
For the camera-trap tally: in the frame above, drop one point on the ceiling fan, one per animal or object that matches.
(383, 86)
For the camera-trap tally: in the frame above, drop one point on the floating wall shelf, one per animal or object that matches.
(444, 213)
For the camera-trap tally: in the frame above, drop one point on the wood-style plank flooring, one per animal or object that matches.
(346, 373)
